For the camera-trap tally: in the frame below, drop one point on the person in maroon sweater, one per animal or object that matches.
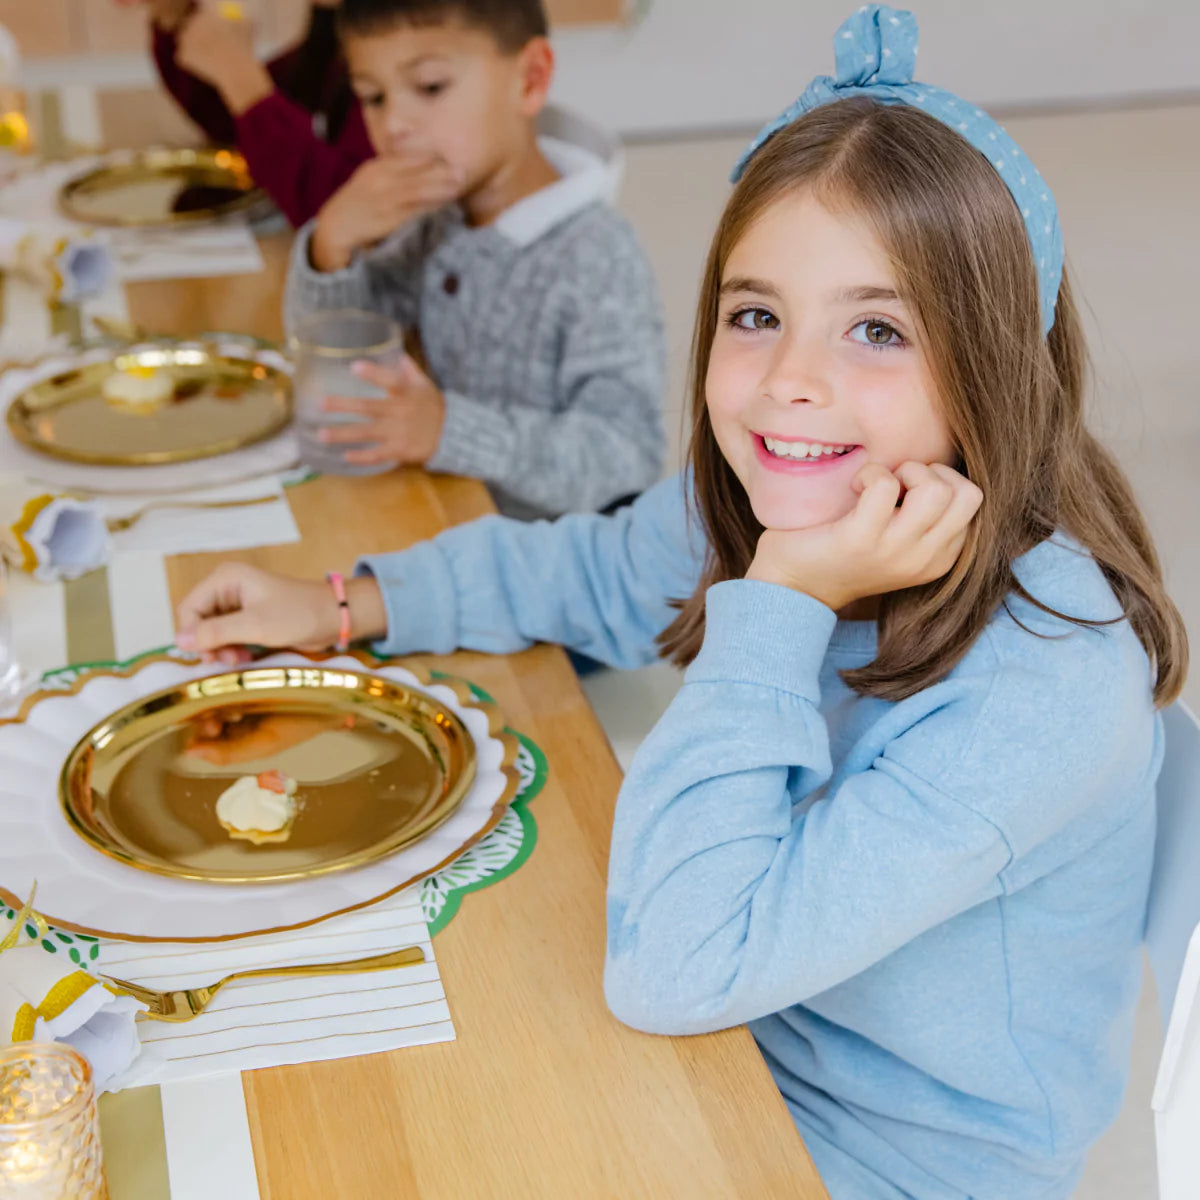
(295, 118)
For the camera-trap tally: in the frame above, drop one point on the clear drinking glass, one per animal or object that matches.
(49, 1131)
(324, 347)
(10, 668)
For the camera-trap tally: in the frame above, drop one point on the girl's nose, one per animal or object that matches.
(798, 374)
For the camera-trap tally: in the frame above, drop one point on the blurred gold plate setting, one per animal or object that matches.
(220, 404)
(379, 766)
(162, 187)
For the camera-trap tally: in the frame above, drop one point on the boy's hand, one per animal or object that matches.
(406, 426)
(221, 52)
(880, 546)
(377, 199)
(239, 606)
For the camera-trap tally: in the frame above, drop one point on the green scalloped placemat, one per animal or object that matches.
(493, 858)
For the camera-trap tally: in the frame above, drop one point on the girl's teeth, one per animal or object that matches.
(802, 451)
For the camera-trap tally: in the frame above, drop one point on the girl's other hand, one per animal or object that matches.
(239, 606)
(884, 544)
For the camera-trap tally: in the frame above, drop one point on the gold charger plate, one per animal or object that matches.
(379, 765)
(160, 187)
(220, 404)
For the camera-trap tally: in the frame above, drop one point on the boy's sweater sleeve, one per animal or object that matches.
(606, 440)
(386, 279)
(726, 903)
(600, 585)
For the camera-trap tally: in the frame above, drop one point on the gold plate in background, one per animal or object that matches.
(161, 187)
(378, 765)
(220, 404)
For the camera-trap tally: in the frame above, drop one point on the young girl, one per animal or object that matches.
(294, 118)
(900, 817)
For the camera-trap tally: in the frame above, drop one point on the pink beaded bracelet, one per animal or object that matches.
(339, 593)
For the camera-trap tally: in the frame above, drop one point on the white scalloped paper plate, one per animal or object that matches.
(80, 889)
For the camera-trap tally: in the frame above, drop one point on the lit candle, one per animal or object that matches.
(26, 1164)
(49, 1133)
(14, 127)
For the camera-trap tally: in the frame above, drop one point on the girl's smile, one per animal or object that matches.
(816, 368)
(788, 454)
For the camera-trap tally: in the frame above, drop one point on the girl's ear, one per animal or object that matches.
(537, 74)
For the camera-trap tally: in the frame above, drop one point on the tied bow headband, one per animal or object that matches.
(876, 54)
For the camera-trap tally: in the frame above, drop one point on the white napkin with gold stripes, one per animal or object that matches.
(281, 1021)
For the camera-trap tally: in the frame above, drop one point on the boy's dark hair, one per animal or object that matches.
(513, 23)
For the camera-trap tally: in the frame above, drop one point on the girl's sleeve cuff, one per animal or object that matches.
(765, 634)
(418, 594)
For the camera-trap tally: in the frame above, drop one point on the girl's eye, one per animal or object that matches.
(374, 101)
(432, 89)
(876, 333)
(752, 319)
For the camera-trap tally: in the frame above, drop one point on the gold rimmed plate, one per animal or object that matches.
(213, 403)
(160, 188)
(378, 767)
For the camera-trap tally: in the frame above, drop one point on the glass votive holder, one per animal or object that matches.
(325, 345)
(49, 1131)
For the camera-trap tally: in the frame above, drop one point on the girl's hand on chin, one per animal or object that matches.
(884, 544)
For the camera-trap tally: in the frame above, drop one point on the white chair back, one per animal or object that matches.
(1173, 944)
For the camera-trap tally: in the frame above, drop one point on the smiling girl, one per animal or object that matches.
(900, 817)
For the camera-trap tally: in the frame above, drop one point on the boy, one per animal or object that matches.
(537, 311)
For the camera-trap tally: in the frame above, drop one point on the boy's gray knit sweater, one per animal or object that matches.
(544, 333)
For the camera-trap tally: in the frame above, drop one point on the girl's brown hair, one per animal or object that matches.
(1012, 397)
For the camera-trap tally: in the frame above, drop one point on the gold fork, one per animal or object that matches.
(187, 1003)
(120, 524)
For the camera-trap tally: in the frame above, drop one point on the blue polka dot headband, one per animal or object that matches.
(876, 53)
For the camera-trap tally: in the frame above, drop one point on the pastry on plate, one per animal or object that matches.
(259, 808)
(139, 389)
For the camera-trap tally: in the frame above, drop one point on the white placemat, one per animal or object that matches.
(275, 1022)
(228, 248)
(207, 1140)
(182, 530)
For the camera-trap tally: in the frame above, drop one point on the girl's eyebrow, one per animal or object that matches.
(743, 283)
(862, 295)
(851, 295)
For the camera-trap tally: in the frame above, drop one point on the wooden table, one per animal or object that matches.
(544, 1093)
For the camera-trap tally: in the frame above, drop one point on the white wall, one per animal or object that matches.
(713, 64)
(705, 65)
